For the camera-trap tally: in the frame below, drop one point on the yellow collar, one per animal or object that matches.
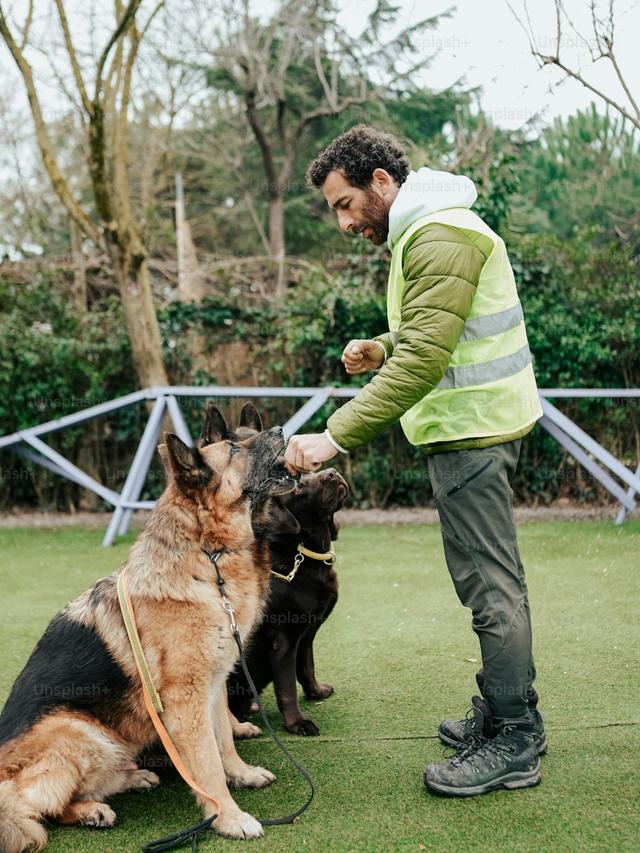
(329, 557)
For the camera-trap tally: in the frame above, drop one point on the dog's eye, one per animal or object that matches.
(235, 448)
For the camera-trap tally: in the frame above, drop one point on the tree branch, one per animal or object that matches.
(97, 164)
(329, 93)
(603, 32)
(73, 58)
(58, 180)
(263, 142)
(554, 60)
(27, 26)
(127, 18)
(623, 82)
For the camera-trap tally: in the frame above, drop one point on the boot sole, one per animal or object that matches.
(456, 744)
(520, 779)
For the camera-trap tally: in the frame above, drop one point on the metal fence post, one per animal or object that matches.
(138, 471)
(625, 508)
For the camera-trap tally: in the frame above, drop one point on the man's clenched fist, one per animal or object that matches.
(360, 356)
(308, 452)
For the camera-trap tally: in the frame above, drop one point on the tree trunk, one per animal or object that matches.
(191, 281)
(276, 239)
(142, 324)
(79, 271)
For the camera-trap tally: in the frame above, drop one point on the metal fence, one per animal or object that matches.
(619, 481)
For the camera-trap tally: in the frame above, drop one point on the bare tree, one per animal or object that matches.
(599, 46)
(110, 224)
(300, 66)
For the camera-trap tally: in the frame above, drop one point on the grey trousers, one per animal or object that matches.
(473, 495)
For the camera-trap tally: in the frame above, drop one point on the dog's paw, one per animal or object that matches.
(252, 777)
(98, 815)
(238, 825)
(303, 726)
(143, 780)
(320, 691)
(246, 730)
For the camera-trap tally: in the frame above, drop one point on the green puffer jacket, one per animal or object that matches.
(441, 267)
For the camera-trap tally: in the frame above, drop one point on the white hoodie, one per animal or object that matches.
(424, 192)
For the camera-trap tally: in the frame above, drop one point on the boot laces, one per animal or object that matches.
(481, 746)
(470, 727)
(473, 736)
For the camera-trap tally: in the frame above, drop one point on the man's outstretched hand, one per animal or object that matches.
(359, 356)
(308, 452)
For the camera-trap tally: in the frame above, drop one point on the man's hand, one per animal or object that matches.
(360, 356)
(308, 452)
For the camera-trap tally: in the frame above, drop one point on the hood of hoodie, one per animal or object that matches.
(424, 192)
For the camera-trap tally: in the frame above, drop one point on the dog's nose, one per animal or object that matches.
(330, 473)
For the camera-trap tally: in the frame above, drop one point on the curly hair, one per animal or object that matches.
(356, 153)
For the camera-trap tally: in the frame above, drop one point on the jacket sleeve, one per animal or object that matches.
(441, 266)
(385, 340)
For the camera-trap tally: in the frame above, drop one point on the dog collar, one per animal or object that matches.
(328, 557)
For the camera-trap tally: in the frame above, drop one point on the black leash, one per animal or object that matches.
(191, 833)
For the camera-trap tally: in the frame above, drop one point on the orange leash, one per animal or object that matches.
(143, 671)
(153, 704)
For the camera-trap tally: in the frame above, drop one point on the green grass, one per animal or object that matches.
(401, 655)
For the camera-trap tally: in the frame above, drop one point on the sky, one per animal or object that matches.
(482, 43)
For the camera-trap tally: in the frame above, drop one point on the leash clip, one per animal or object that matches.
(297, 562)
(226, 605)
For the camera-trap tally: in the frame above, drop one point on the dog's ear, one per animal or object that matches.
(250, 417)
(163, 453)
(334, 527)
(215, 427)
(281, 520)
(186, 463)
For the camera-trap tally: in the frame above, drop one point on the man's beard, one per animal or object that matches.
(375, 215)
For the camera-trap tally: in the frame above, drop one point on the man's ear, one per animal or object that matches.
(186, 463)
(281, 520)
(215, 427)
(381, 180)
(334, 527)
(250, 418)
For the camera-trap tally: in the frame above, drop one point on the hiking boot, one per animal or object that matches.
(457, 733)
(509, 759)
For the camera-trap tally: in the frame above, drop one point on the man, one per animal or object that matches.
(455, 369)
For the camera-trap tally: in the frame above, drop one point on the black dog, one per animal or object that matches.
(281, 648)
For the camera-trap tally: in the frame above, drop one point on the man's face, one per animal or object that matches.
(362, 211)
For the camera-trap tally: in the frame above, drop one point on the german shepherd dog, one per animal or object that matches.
(281, 650)
(75, 721)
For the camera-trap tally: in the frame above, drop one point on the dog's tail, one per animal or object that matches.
(19, 830)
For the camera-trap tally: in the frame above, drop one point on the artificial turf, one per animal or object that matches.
(401, 655)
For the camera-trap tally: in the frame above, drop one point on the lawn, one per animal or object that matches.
(401, 655)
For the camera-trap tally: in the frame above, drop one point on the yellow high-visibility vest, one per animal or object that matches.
(489, 387)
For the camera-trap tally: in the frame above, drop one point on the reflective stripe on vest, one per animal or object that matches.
(489, 387)
(492, 324)
(487, 371)
(484, 327)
